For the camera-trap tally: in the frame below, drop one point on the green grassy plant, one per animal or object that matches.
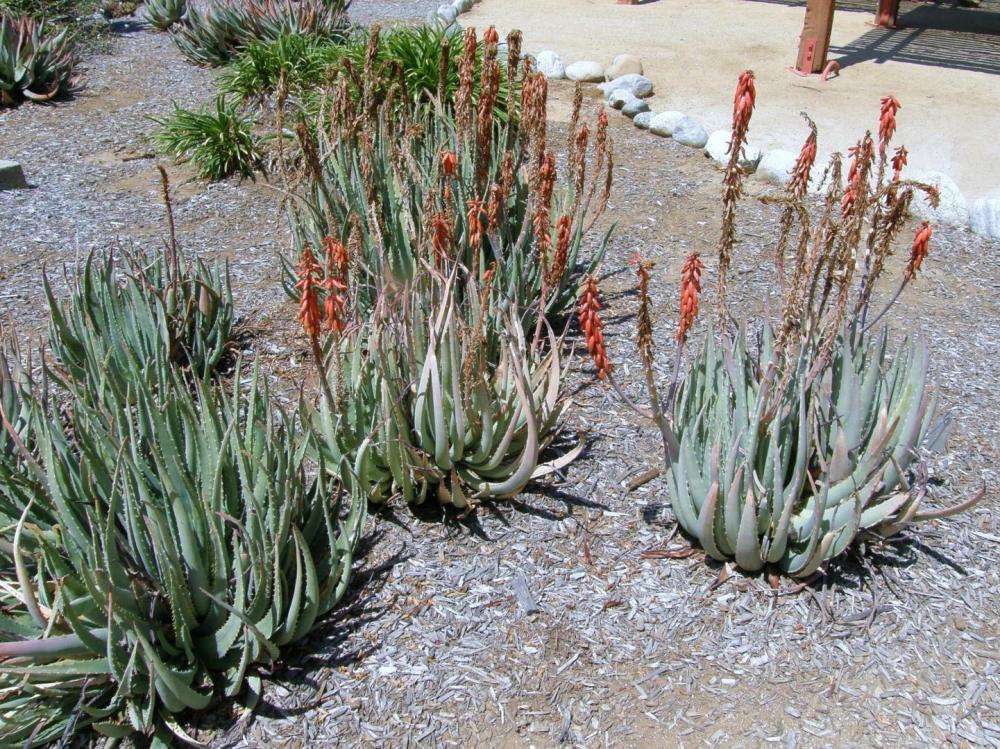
(218, 140)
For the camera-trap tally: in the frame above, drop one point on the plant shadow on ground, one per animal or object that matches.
(334, 644)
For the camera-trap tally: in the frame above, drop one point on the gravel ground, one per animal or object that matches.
(539, 621)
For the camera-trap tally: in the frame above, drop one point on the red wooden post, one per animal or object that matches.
(886, 14)
(815, 41)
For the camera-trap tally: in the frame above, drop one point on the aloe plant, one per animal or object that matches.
(189, 545)
(136, 315)
(163, 14)
(784, 454)
(213, 36)
(438, 402)
(35, 63)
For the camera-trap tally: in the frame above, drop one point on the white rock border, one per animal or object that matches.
(448, 15)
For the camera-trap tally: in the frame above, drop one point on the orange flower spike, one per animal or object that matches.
(334, 304)
(493, 207)
(308, 270)
(336, 258)
(449, 163)
(564, 225)
(591, 325)
(803, 166)
(921, 245)
(744, 101)
(476, 207)
(690, 292)
(490, 36)
(899, 162)
(887, 121)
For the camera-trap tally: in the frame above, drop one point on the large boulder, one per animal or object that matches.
(952, 210)
(585, 71)
(717, 148)
(549, 64)
(690, 132)
(623, 65)
(635, 84)
(984, 218)
(777, 167)
(664, 123)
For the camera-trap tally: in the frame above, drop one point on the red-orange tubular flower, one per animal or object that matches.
(591, 325)
(887, 121)
(921, 245)
(449, 163)
(690, 292)
(308, 271)
(490, 36)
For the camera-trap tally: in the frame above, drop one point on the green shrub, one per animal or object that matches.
(255, 73)
(219, 141)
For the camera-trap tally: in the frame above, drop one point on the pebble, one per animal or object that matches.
(585, 71)
(550, 64)
(643, 119)
(665, 122)
(690, 132)
(11, 176)
(623, 65)
(984, 218)
(717, 148)
(635, 84)
(777, 167)
(953, 210)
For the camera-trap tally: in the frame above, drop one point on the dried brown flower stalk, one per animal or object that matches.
(466, 75)
(743, 105)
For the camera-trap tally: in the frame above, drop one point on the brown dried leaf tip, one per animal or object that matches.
(690, 292)
(592, 327)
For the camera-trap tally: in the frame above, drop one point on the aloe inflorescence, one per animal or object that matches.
(456, 183)
(785, 451)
